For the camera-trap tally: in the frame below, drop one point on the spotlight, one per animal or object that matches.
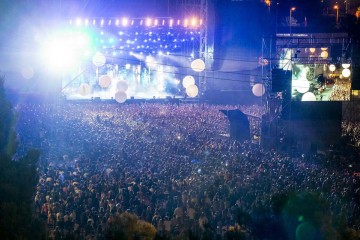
(117, 22)
(125, 22)
(148, 22)
(102, 22)
(171, 22)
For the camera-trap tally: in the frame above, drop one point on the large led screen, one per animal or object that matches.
(321, 82)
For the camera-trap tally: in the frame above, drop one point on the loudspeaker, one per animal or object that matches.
(281, 79)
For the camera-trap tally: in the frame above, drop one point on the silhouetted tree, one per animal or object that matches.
(18, 179)
(127, 226)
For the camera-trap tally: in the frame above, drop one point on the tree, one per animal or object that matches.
(18, 179)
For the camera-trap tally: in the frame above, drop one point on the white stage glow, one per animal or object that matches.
(84, 89)
(122, 86)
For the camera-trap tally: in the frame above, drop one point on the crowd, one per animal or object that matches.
(171, 165)
(341, 90)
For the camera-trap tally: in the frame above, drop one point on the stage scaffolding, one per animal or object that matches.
(204, 10)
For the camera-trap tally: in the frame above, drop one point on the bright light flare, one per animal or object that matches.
(64, 51)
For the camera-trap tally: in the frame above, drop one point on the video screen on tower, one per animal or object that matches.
(320, 82)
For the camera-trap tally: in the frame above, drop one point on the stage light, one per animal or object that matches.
(60, 53)
(94, 22)
(258, 89)
(312, 50)
(125, 22)
(148, 22)
(132, 22)
(117, 22)
(178, 22)
(156, 22)
(109, 22)
(186, 22)
(345, 65)
(346, 72)
(193, 22)
(163, 22)
(86, 22)
(127, 66)
(160, 53)
(141, 22)
(201, 22)
(171, 22)
(102, 22)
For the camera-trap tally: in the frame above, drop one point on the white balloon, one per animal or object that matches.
(27, 72)
(192, 91)
(187, 81)
(345, 65)
(99, 59)
(104, 81)
(122, 86)
(198, 65)
(84, 89)
(258, 89)
(120, 97)
(346, 72)
(309, 96)
(332, 67)
(302, 86)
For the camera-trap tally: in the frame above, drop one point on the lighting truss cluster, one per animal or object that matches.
(143, 36)
(192, 23)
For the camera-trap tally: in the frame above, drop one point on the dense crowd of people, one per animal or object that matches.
(171, 165)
